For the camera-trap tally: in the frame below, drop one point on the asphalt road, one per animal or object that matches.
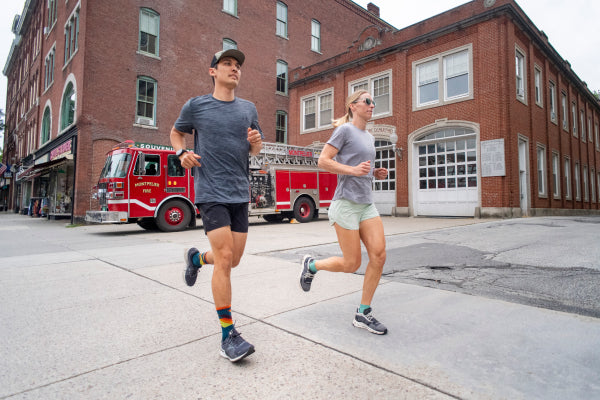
(474, 308)
(550, 262)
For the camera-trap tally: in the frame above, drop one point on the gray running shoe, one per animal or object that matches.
(306, 277)
(191, 270)
(367, 321)
(234, 347)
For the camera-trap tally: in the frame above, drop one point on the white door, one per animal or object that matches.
(446, 173)
(384, 191)
(523, 175)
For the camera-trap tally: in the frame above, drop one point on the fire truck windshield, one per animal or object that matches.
(116, 166)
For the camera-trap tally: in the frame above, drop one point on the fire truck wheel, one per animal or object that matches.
(303, 209)
(173, 216)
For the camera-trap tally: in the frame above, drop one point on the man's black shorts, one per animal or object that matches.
(218, 215)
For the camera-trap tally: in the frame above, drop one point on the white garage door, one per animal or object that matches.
(446, 177)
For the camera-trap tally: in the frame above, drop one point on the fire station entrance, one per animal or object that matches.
(444, 172)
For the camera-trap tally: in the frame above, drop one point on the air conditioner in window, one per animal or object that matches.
(553, 116)
(45, 30)
(520, 92)
(143, 121)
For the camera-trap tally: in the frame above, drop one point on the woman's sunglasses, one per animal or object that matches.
(368, 101)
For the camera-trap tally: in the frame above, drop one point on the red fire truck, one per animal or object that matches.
(146, 184)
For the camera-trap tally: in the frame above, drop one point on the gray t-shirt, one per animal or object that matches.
(354, 146)
(221, 138)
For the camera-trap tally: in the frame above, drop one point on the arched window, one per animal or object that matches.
(67, 114)
(229, 44)
(45, 126)
(282, 70)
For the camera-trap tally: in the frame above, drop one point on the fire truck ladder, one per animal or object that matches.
(284, 154)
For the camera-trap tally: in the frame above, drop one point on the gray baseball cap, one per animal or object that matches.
(238, 55)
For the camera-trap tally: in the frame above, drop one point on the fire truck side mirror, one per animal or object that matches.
(141, 162)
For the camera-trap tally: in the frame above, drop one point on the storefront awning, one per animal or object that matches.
(39, 169)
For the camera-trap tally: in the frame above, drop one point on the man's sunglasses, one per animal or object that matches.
(368, 101)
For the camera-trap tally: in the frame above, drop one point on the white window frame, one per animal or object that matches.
(230, 7)
(556, 175)
(281, 24)
(586, 189)
(582, 124)
(537, 78)
(284, 128)
(442, 78)
(574, 118)
(567, 167)
(368, 84)
(590, 132)
(593, 184)
(597, 135)
(315, 36)
(154, 17)
(282, 69)
(72, 35)
(319, 125)
(565, 111)
(143, 120)
(598, 185)
(541, 170)
(553, 117)
(577, 177)
(520, 75)
(49, 64)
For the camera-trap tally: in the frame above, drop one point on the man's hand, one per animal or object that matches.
(255, 140)
(189, 159)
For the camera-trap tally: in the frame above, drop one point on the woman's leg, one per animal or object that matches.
(349, 241)
(371, 234)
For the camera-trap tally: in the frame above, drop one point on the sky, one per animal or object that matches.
(570, 26)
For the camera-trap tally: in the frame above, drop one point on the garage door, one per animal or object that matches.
(446, 178)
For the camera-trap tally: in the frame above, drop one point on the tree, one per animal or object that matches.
(597, 94)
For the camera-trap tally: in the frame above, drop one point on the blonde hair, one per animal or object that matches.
(349, 100)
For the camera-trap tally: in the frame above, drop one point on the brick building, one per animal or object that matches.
(477, 115)
(86, 75)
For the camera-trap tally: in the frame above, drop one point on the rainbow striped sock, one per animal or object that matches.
(225, 320)
(199, 259)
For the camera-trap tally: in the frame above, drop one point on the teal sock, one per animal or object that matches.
(199, 259)
(312, 267)
(362, 308)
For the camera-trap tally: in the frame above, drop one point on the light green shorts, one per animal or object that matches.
(349, 215)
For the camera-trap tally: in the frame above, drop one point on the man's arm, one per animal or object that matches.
(188, 159)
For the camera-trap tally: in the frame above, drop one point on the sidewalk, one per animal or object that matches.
(102, 312)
